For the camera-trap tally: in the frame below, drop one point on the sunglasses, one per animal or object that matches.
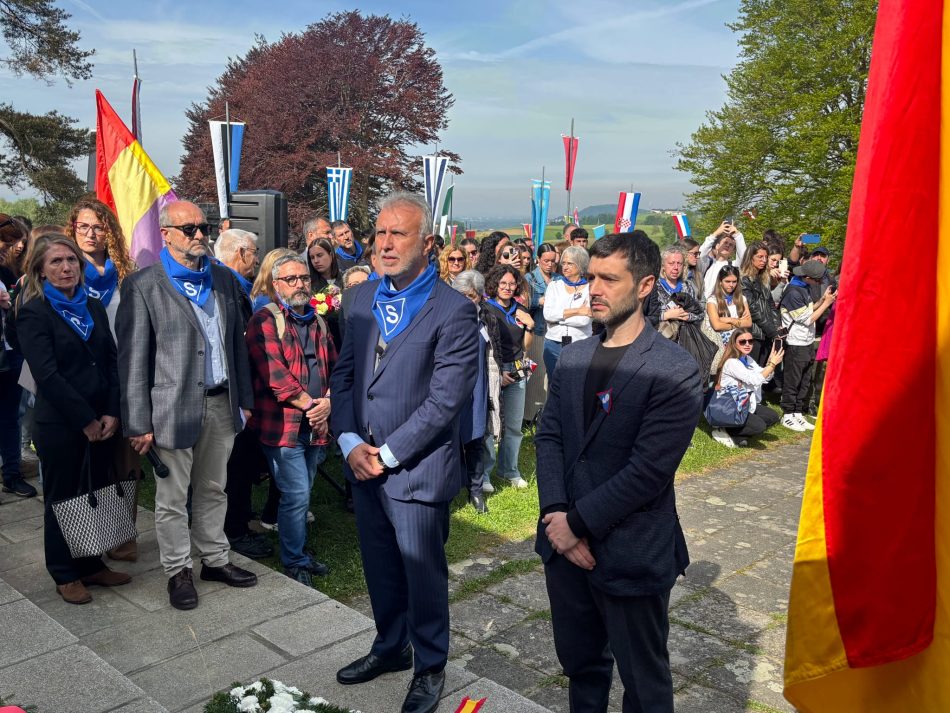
(744, 342)
(189, 229)
(456, 259)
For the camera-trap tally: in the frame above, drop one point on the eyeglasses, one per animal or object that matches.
(693, 252)
(292, 280)
(744, 342)
(506, 285)
(456, 259)
(84, 228)
(189, 229)
(253, 251)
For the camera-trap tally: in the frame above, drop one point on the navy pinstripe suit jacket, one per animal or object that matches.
(412, 400)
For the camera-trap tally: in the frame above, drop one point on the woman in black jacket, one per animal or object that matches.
(65, 338)
(756, 288)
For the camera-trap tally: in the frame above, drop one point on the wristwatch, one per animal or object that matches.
(382, 463)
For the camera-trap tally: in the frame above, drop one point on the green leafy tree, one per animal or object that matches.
(37, 150)
(786, 140)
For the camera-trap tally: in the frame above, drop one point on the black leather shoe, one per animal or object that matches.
(424, 693)
(370, 666)
(478, 502)
(255, 547)
(20, 488)
(181, 590)
(230, 574)
(300, 574)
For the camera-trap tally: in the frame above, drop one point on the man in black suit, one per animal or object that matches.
(407, 368)
(620, 413)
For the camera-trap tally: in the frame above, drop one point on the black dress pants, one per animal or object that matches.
(472, 457)
(797, 369)
(61, 451)
(758, 421)
(244, 468)
(592, 629)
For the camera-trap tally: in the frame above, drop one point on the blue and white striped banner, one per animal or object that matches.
(433, 175)
(338, 191)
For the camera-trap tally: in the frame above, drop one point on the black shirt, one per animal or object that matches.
(314, 382)
(512, 336)
(602, 368)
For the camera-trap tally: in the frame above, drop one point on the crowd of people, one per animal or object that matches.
(421, 364)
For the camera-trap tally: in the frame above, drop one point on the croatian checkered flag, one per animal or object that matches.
(338, 191)
(433, 176)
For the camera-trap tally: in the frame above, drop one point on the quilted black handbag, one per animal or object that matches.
(96, 521)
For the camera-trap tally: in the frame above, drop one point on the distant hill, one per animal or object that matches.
(598, 209)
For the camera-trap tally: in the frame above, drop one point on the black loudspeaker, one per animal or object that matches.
(263, 213)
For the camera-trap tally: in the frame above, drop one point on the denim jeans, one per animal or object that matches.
(552, 350)
(294, 470)
(512, 414)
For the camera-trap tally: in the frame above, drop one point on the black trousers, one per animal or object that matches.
(758, 421)
(592, 629)
(61, 451)
(244, 468)
(402, 545)
(472, 457)
(797, 377)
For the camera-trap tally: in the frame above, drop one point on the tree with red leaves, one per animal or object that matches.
(364, 86)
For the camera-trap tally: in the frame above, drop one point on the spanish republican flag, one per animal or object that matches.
(869, 610)
(128, 182)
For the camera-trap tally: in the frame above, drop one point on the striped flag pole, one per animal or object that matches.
(433, 176)
(338, 191)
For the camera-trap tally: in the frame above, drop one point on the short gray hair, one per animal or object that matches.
(312, 223)
(413, 200)
(579, 256)
(232, 240)
(672, 250)
(353, 270)
(281, 261)
(469, 281)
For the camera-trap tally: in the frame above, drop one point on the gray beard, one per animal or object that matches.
(299, 299)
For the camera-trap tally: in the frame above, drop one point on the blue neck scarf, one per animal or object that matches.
(309, 314)
(103, 286)
(746, 362)
(351, 258)
(195, 286)
(509, 312)
(798, 281)
(395, 309)
(669, 288)
(728, 298)
(582, 281)
(373, 276)
(245, 284)
(75, 311)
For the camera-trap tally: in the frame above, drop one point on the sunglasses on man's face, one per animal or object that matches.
(189, 229)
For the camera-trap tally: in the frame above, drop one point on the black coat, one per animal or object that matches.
(765, 317)
(76, 381)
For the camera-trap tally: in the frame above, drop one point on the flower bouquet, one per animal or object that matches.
(270, 696)
(327, 300)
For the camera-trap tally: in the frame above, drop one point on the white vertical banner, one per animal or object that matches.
(227, 160)
(433, 176)
(338, 191)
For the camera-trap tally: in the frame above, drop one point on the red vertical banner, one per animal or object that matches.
(570, 158)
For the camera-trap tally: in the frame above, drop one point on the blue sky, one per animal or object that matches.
(636, 75)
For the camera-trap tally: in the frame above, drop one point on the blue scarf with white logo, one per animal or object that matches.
(509, 312)
(395, 309)
(582, 281)
(103, 286)
(351, 258)
(75, 311)
(196, 286)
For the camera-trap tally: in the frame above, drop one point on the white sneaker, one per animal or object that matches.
(310, 517)
(519, 483)
(792, 423)
(487, 487)
(272, 526)
(723, 438)
(807, 424)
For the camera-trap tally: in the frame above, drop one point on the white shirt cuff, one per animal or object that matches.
(388, 458)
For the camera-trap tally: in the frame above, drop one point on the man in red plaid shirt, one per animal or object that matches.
(292, 355)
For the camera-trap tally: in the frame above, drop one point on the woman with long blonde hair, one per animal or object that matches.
(96, 230)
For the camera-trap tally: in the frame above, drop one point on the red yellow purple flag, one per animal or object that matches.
(470, 706)
(128, 182)
(869, 614)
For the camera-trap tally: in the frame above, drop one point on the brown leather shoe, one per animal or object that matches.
(106, 577)
(126, 552)
(74, 593)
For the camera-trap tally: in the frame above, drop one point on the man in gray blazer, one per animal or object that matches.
(186, 392)
(621, 411)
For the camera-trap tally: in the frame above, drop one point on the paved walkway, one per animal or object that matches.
(727, 632)
(129, 652)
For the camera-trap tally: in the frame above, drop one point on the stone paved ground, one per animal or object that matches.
(727, 631)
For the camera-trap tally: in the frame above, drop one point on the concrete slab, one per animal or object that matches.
(83, 682)
(525, 590)
(143, 705)
(32, 581)
(486, 662)
(196, 675)
(530, 643)
(17, 554)
(756, 593)
(313, 628)
(483, 616)
(106, 609)
(149, 590)
(696, 698)
(8, 594)
(30, 631)
(717, 613)
(499, 699)
(749, 677)
(14, 509)
(26, 529)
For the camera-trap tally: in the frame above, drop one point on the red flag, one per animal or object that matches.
(570, 158)
(526, 229)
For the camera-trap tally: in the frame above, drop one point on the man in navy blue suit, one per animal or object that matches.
(620, 413)
(406, 368)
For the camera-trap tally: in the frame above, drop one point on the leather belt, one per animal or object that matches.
(217, 390)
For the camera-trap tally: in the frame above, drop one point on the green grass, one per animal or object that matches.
(512, 517)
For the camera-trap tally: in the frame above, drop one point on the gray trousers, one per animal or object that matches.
(204, 468)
